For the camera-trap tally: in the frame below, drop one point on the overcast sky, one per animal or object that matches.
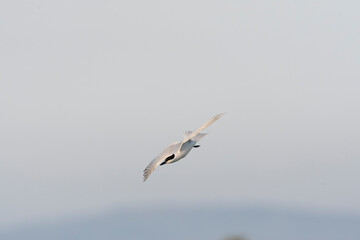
(91, 91)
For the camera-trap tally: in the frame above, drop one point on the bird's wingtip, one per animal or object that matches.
(219, 115)
(145, 175)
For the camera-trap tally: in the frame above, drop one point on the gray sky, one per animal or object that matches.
(91, 91)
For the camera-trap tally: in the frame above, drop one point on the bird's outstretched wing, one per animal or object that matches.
(172, 149)
(151, 167)
(205, 125)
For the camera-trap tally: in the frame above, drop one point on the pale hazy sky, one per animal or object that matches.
(91, 91)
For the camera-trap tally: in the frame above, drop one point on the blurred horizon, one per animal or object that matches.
(194, 222)
(135, 208)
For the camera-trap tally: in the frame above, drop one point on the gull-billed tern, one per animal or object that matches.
(179, 150)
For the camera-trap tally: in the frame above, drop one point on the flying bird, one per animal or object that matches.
(179, 150)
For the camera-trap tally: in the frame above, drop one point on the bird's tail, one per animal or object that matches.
(195, 138)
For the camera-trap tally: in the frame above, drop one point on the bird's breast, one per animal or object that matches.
(184, 150)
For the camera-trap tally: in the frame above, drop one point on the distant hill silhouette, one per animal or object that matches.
(195, 224)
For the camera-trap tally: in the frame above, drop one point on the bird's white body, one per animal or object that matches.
(179, 150)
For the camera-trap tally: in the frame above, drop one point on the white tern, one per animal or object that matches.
(179, 150)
